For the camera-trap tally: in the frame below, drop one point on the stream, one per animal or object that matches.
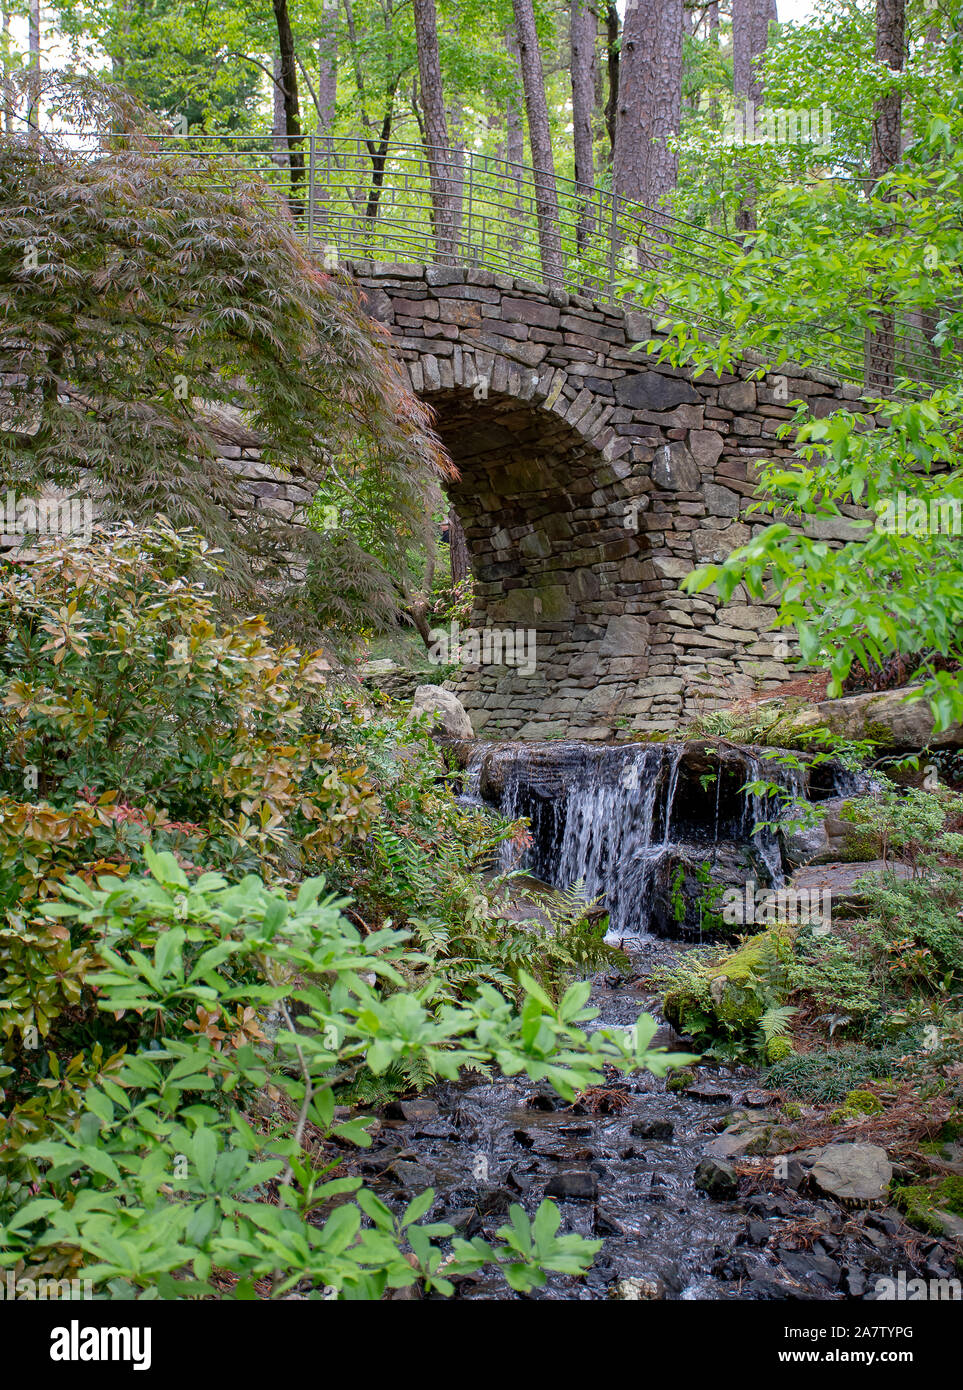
(634, 822)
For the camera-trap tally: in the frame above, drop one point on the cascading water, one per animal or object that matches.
(635, 823)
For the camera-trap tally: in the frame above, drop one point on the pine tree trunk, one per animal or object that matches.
(292, 111)
(436, 128)
(884, 155)
(649, 102)
(612, 33)
(7, 89)
(584, 33)
(33, 50)
(540, 139)
(279, 144)
(328, 65)
(750, 35)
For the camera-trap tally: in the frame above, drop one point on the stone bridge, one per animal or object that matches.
(592, 479)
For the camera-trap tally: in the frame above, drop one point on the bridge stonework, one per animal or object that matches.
(592, 480)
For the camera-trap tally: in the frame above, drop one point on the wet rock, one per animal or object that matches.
(717, 1178)
(740, 1140)
(854, 1281)
(889, 1221)
(414, 1177)
(543, 1100)
(710, 1094)
(766, 1288)
(756, 1099)
(853, 1172)
(768, 1204)
(639, 1287)
(521, 1181)
(421, 1109)
(802, 843)
(652, 1129)
(573, 1185)
(809, 1266)
(609, 1223)
(377, 1160)
(758, 1232)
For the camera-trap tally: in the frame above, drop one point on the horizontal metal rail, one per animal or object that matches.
(361, 199)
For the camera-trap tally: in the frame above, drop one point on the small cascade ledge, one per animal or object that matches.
(651, 828)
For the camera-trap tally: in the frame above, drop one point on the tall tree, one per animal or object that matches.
(750, 36)
(649, 101)
(292, 111)
(884, 155)
(436, 127)
(584, 35)
(7, 89)
(327, 65)
(33, 49)
(613, 29)
(540, 140)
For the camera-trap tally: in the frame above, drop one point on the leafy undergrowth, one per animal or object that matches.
(858, 1022)
(234, 901)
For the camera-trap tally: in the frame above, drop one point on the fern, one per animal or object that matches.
(775, 1023)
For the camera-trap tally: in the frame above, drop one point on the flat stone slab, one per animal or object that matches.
(841, 878)
(853, 1172)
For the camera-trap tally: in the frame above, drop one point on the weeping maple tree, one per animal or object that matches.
(156, 304)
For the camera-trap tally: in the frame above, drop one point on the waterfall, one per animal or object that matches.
(627, 820)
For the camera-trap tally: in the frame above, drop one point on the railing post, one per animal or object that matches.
(613, 242)
(471, 172)
(311, 171)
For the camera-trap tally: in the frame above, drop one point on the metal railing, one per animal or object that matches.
(361, 199)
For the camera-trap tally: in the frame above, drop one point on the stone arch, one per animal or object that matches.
(559, 578)
(651, 467)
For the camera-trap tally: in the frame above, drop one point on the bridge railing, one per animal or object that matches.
(370, 200)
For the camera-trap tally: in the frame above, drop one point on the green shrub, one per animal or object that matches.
(146, 1180)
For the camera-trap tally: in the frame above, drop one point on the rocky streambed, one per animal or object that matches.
(695, 1193)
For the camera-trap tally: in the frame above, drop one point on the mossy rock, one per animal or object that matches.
(778, 1048)
(922, 1203)
(679, 1080)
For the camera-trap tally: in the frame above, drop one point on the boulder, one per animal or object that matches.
(448, 710)
(642, 1286)
(884, 716)
(853, 1172)
(717, 1178)
(573, 1185)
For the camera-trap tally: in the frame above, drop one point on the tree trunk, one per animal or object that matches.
(584, 33)
(327, 66)
(750, 35)
(650, 101)
(33, 49)
(884, 155)
(612, 30)
(7, 89)
(540, 139)
(292, 112)
(436, 128)
(458, 546)
(279, 143)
